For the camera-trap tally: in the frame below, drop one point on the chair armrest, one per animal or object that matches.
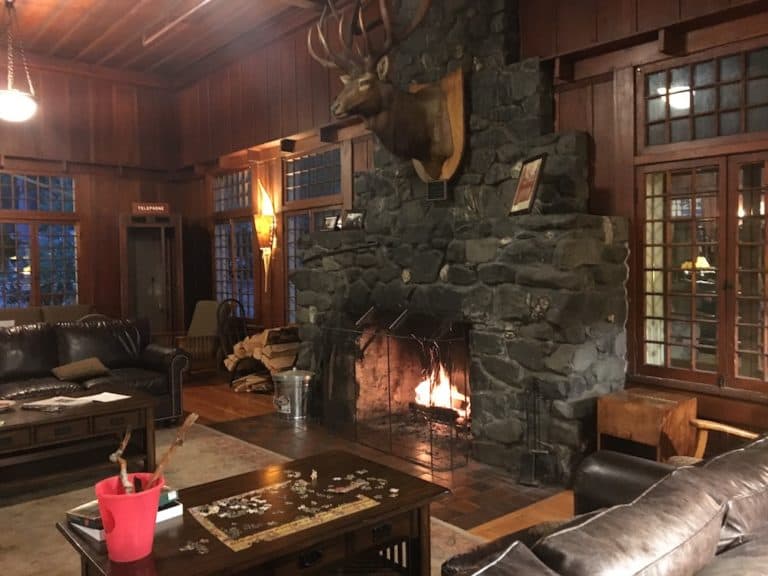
(607, 478)
(173, 362)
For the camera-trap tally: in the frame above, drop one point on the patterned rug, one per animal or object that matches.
(31, 545)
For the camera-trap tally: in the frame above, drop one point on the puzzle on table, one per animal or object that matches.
(289, 506)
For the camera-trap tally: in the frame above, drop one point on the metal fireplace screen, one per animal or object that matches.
(412, 383)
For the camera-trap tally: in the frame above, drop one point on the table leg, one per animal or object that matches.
(422, 559)
(149, 432)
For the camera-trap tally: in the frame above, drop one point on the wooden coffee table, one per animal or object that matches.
(379, 529)
(46, 449)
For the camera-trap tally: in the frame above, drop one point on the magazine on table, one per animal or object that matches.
(171, 510)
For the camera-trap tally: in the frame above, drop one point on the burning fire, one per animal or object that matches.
(436, 390)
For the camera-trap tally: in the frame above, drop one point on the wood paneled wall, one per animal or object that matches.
(95, 120)
(274, 92)
(552, 27)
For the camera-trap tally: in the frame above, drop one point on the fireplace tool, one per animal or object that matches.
(538, 463)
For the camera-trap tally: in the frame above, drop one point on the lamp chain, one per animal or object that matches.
(10, 45)
(12, 23)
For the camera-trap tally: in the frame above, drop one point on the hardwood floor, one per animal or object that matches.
(486, 500)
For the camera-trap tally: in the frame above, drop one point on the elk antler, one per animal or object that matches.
(368, 57)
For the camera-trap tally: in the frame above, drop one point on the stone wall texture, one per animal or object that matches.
(544, 292)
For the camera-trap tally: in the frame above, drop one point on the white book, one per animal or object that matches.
(172, 510)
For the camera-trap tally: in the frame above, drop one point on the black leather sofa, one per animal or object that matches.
(29, 353)
(640, 518)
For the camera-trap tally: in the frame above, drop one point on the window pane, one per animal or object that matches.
(680, 79)
(730, 68)
(657, 109)
(757, 119)
(757, 91)
(654, 354)
(657, 134)
(704, 100)
(705, 127)
(757, 63)
(680, 356)
(58, 264)
(15, 265)
(680, 232)
(312, 176)
(749, 365)
(656, 83)
(729, 123)
(730, 96)
(706, 359)
(704, 73)
(680, 130)
(232, 191)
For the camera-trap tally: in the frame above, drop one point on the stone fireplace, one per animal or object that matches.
(540, 296)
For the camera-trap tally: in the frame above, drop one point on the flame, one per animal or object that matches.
(267, 208)
(436, 390)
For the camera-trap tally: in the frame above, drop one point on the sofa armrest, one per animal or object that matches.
(607, 478)
(173, 362)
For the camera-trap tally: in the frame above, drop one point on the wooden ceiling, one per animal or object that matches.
(166, 38)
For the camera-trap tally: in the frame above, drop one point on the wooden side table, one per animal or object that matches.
(652, 417)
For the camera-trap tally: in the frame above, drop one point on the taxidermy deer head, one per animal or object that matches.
(409, 124)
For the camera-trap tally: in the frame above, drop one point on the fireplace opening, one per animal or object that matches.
(412, 388)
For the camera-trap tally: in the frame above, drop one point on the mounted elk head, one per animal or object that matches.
(412, 125)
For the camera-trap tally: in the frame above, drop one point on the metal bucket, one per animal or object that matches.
(291, 391)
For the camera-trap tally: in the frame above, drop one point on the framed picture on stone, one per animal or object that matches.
(525, 193)
(353, 220)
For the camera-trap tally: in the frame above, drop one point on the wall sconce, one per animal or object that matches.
(266, 226)
(16, 105)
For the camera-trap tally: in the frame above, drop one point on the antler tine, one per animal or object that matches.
(386, 21)
(324, 61)
(363, 31)
(332, 60)
(347, 39)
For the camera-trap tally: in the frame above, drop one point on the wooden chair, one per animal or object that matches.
(201, 341)
(703, 428)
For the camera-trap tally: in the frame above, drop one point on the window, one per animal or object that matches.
(234, 240)
(38, 251)
(233, 253)
(717, 97)
(312, 197)
(705, 314)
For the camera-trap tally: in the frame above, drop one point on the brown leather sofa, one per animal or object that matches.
(705, 520)
(29, 353)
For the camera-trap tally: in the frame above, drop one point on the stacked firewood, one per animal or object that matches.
(275, 349)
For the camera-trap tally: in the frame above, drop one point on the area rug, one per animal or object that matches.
(31, 545)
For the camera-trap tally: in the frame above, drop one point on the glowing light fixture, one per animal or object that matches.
(265, 230)
(16, 105)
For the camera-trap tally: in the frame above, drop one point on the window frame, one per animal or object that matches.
(35, 218)
(230, 217)
(688, 148)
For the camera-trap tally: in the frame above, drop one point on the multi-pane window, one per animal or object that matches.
(717, 97)
(39, 193)
(313, 175)
(312, 202)
(234, 240)
(681, 263)
(39, 253)
(233, 256)
(232, 191)
(704, 284)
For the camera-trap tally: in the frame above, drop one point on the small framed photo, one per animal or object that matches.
(525, 193)
(331, 222)
(353, 220)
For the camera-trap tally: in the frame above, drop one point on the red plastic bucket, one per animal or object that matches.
(129, 519)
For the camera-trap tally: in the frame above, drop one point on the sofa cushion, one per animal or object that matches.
(671, 529)
(747, 559)
(38, 388)
(127, 379)
(27, 351)
(516, 560)
(81, 370)
(116, 343)
(739, 479)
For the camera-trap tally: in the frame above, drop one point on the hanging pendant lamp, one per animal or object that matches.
(16, 105)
